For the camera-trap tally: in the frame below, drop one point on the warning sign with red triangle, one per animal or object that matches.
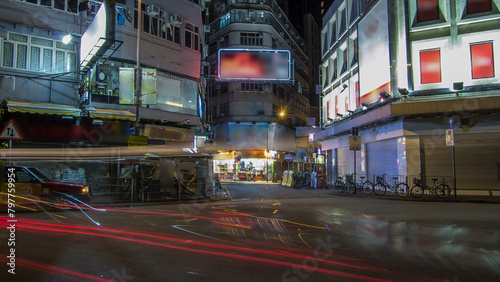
(11, 132)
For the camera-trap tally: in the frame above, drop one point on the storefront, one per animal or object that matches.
(245, 165)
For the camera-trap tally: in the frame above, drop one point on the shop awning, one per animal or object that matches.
(112, 114)
(35, 108)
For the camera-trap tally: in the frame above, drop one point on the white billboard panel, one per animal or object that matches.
(374, 61)
(94, 37)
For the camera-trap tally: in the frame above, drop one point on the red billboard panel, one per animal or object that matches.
(430, 66)
(248, 64)
(482, 60)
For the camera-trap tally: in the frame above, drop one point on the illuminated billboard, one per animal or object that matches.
(99, 35)
(252, 64)
(374, 66)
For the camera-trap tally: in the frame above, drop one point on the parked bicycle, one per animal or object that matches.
(339, 185)
(441, 190)
(353, 187)
(381, 186)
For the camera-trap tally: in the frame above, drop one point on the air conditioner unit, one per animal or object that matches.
(175, 19)
(222, 114)
(153, 10)
(206, 28)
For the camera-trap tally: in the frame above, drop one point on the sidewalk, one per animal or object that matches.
(425, 198)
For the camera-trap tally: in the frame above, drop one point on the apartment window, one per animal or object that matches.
(427, 10)
(342, 21)
(354, 11)
(224, 109)
(344, 61)
(252, 86)
(430, 66)
(64, 5)
(356, 88)
(253, 39)
(158, 25)
(38, 54)
(353, 49)
(333, 29)
(225, 20)
(336, 105)
(324, 35)
(478, 6)
(334, 76)
(482, 60)
(191, 35)
(326, 76)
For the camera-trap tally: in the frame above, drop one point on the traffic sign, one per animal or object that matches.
(288, 158)
(11, 132)
(211, 135)
(354, 143)
(450, 122)
(449, 138)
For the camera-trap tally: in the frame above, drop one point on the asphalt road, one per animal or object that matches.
(267, 233)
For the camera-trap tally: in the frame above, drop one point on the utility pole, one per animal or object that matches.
(138, 85)
(138, 75)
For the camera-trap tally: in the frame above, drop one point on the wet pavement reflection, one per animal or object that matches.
(303, 237)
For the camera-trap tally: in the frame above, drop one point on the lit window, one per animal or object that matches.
(478, 6)
(430, 66)
(427, 10)
(336, 105)
(357, 93)
(482, 60)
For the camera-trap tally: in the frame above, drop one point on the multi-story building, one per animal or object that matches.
(402, 73)
(245, 114)
(57, 91)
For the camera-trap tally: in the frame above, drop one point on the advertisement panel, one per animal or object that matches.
(127, 86)
(248, 64)
(259, 136)
(374, 63)
(94, 37)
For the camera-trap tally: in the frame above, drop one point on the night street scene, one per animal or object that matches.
(250, 140)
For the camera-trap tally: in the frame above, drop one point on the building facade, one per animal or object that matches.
(254, 119)
(401, 73)
(78, 87)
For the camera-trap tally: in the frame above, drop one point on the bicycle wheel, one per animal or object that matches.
(379, 189)
(417, 191)
(350, 188)
(443, 191)
(402, 189)
(338, 187)
(367, 187)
